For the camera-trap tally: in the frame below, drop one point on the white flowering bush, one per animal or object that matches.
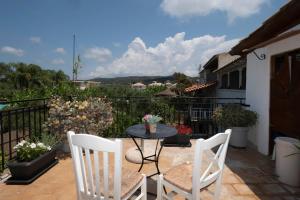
(28, 151)
(92, 116)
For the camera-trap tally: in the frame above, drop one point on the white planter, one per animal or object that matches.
(238, 137)
(287, 165)
(64, 147)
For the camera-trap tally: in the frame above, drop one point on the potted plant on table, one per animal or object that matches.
(151, 122)
(238, 119)
(33, 159)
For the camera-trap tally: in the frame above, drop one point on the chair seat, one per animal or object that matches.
(130, 179)
(181, 175)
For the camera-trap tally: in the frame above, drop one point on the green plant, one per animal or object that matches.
(151, 119)
(27, 151)
(1, 169)
(234, 116)
(93, 115)
(48, 139)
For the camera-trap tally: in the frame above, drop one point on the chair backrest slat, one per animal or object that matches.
(89, 171)
(83, 173)
(105, 174)
(219, 140)
(97, 171)
(87, 168)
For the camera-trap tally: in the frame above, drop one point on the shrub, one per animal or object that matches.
(1, 169)
(93, 116)
(234, 116)
(48, 139)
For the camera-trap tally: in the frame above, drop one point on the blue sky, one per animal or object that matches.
(126, 37)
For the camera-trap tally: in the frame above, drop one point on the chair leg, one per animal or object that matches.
(144, 188)
(159, 187)
(218, 188)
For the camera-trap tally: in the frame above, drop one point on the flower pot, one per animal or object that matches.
(183, 139)
(147, 126)
(287, 161)
(179, 140)
(152, 128)
(239, 137)
(63, 146)
(29, 171)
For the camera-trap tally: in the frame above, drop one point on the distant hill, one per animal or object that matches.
(134, 79)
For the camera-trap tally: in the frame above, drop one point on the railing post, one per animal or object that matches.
(2, 142)
(9, 134)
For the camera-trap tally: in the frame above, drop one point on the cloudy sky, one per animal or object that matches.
(126, 37)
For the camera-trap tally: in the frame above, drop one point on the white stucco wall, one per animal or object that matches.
(258, 88)
(229, 93)
(225, 58)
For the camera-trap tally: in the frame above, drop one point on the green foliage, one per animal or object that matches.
(182, 82)
(234, 116)
(1, 169)
(27, 151)
(48, 139)
(92, 115)
(151, 119)
(18, 80)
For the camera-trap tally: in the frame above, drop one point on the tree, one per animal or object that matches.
(21, 76)
(182, 82)
(77, 66)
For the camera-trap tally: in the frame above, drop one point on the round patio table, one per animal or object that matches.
(139, 131)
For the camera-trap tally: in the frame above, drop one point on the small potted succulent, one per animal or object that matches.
(33, 159)
(238, 119)
(151, 122)
(182, 138)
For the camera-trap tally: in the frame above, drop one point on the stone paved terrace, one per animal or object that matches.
(247, 176)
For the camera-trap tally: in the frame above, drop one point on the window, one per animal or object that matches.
(234, 80)
(224, 81)
(243, 86)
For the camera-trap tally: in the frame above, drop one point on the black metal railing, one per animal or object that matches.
(21, 120)
(24, 119)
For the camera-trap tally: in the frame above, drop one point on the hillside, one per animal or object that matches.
(133, 79)
(143, 79)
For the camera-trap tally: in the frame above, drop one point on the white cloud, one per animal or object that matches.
(175, 54)
(98, 54)
(60, 50)
(233, 8)
(35, 40)
(58, 61)
(12, 50)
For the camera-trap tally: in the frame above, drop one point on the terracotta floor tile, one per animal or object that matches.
(230, 178)
(293, 190)
(272, 189)
(244, 189)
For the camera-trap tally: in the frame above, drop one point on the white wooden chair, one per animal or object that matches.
(187, 179)
(95, 181)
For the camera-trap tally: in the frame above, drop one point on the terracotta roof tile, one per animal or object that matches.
(199, 86)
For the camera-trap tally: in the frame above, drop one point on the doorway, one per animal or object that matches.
(285, 96)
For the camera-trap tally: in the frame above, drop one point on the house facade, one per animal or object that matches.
(273, 76)
(223, 76)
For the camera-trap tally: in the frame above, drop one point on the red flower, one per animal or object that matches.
(184, 129)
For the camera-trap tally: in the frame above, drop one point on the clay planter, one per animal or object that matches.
(238, 137)
(26, 172)
(152, 128)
